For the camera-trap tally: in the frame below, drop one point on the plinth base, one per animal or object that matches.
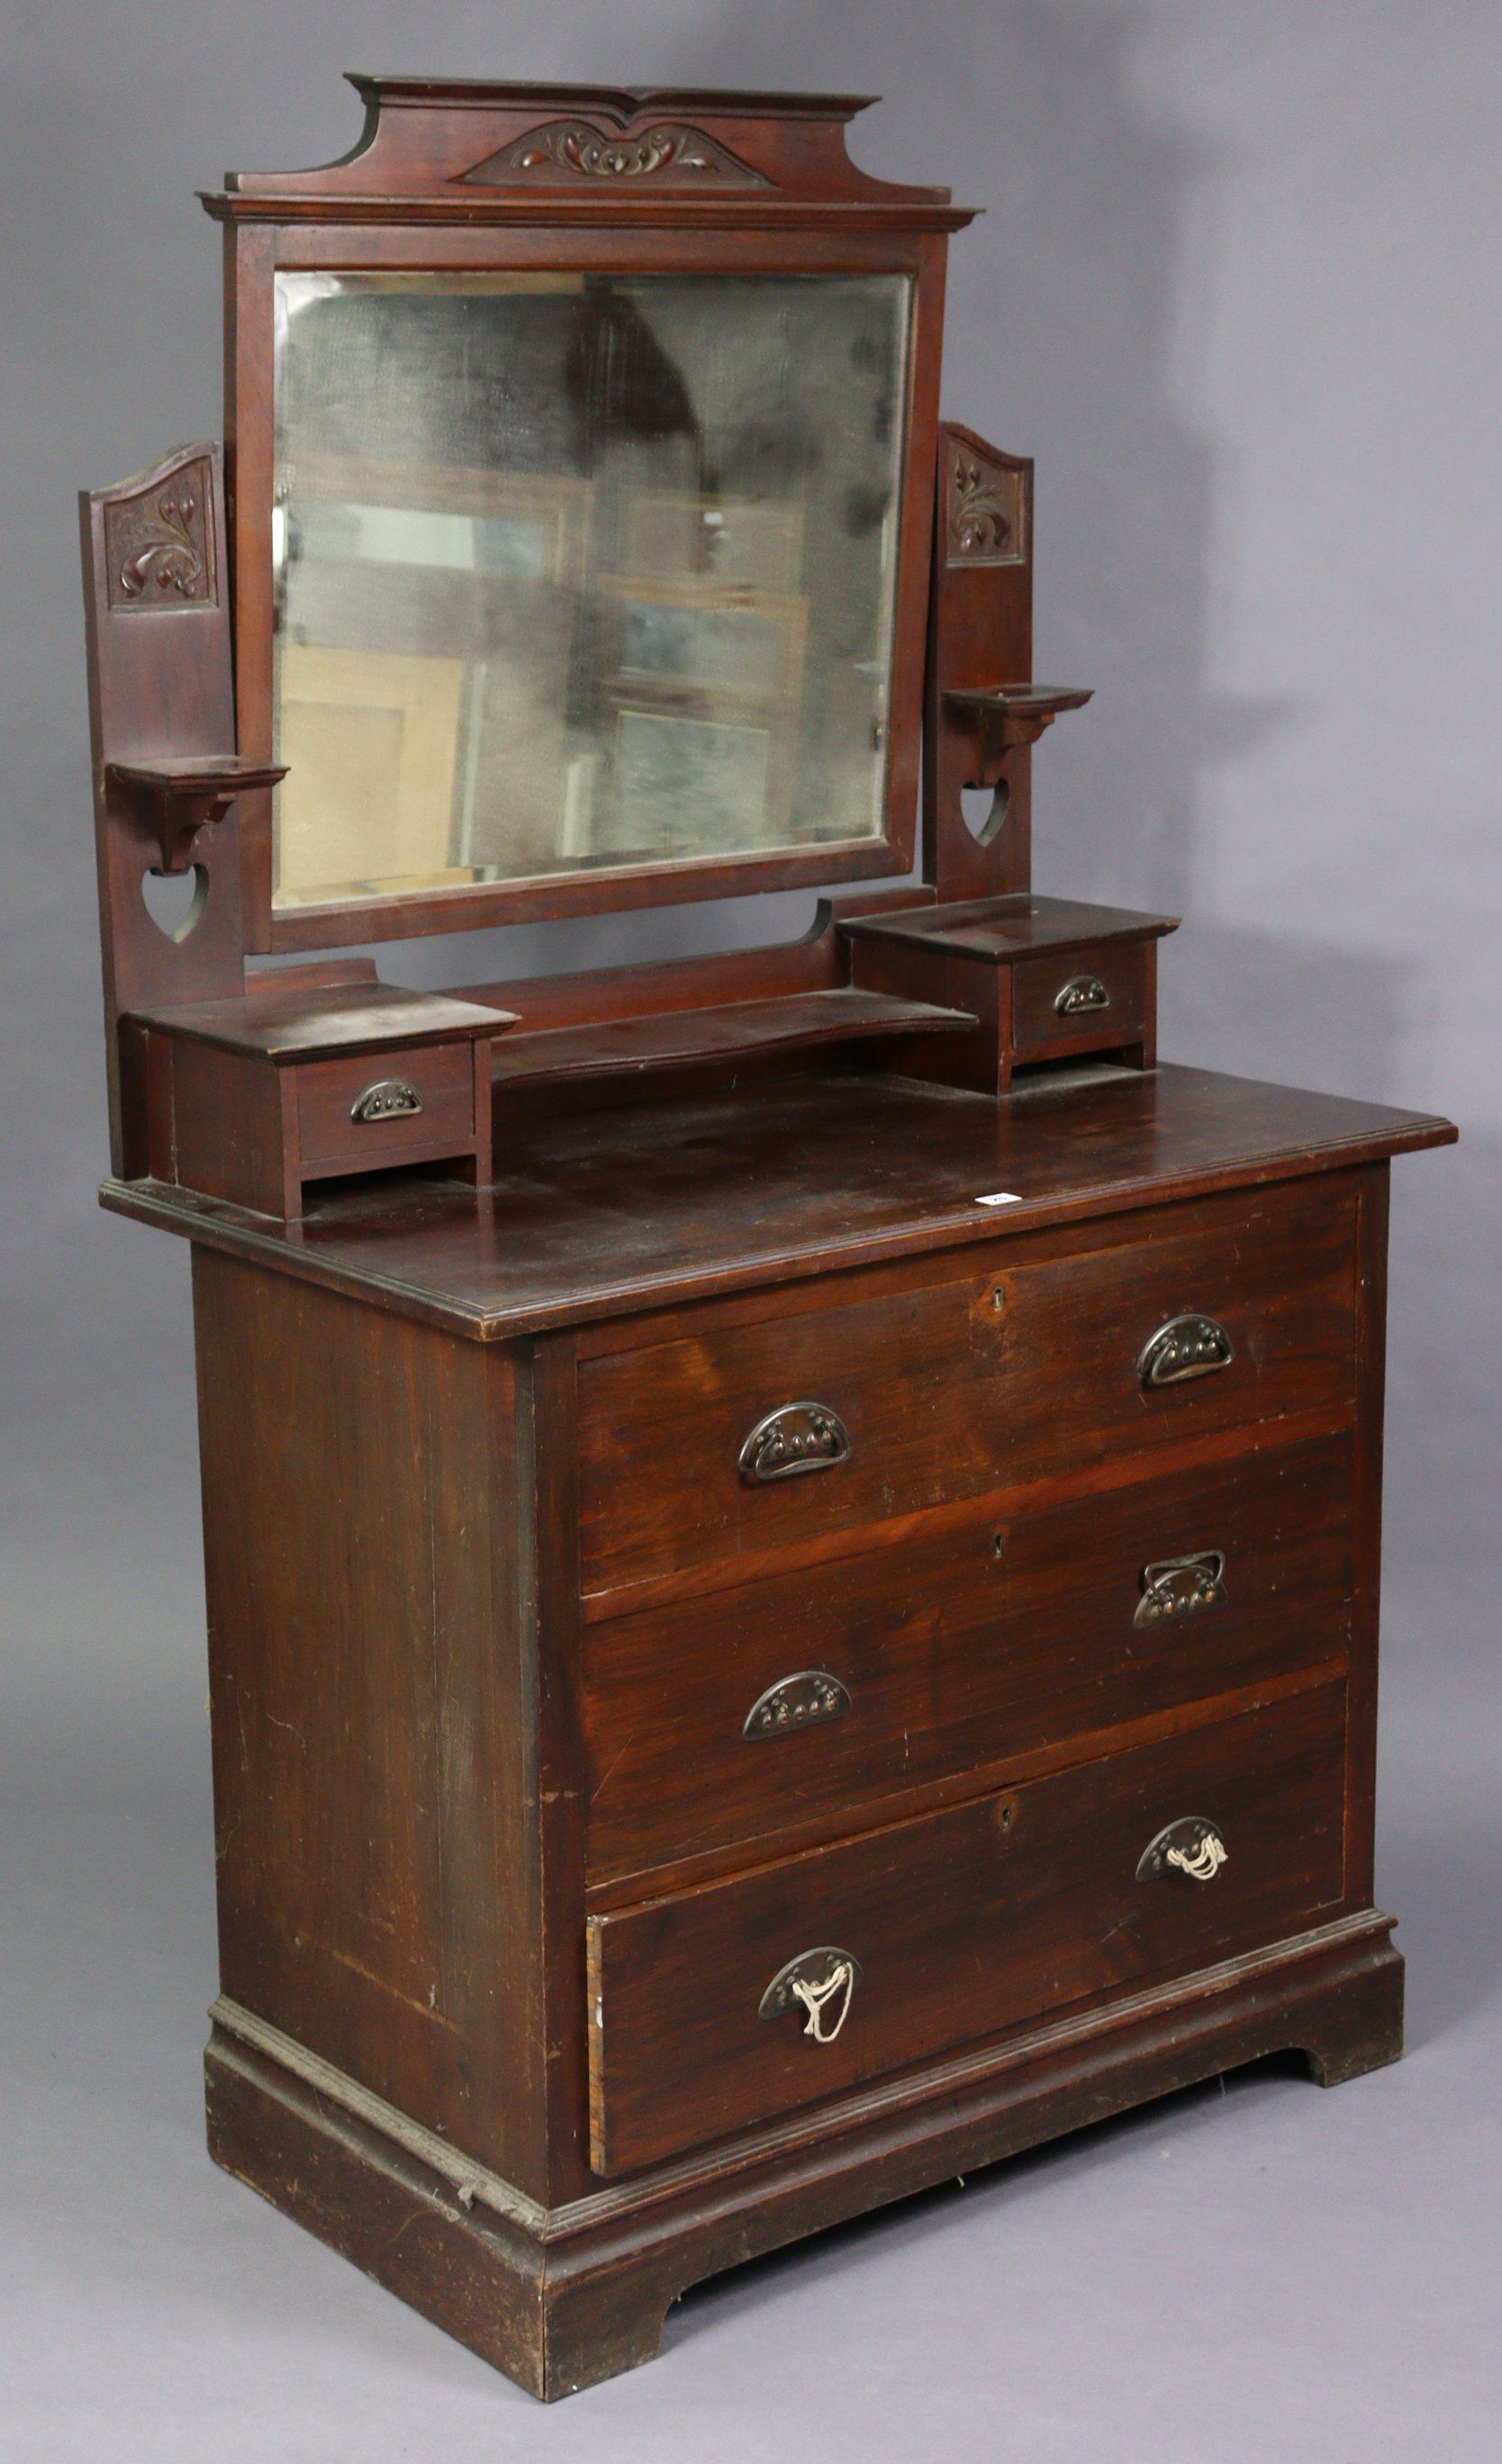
(561, 2299)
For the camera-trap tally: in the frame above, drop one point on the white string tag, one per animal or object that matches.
(1203, 1863)
(815, 1997)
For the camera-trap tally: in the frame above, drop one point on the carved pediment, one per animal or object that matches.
(563, 151)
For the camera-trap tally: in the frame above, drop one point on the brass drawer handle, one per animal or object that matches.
(811, 1983)
(1191, 1346)
(797, 1702)
(1182, 1587)
(1080, 995)
(390, 1099)
(796, 1438)
(1191, 1846)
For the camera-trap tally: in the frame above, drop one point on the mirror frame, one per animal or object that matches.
(454, 177)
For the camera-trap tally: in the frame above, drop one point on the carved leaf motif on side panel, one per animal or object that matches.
(571, 149)
(987, 510)
(159, 545)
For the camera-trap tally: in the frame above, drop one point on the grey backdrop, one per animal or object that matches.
(1237, 288)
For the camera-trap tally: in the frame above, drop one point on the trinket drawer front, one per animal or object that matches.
(1105, 997)
(683, 1721)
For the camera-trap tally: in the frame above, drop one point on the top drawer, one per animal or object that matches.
(956, 1378)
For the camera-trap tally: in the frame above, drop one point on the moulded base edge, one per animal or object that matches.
(561, 2299)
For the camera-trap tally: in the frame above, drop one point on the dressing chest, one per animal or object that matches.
(791, 1538)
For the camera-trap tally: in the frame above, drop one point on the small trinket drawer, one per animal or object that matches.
(249, 1100)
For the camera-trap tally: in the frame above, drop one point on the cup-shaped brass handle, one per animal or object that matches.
(1182, 1587)
(1192, 1846)
(802, 1701)
(796, 1438)
(1191, 1346)
(390, 1099)
(1081, 995)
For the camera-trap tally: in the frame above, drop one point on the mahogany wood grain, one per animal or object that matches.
(555, 1867)
(252, 1097)
(314, 1013)
(949, 1522)
(1042, 1032)
(374, 1695)
(740, 1031)
(978, 1059)
(807, 1829)
(964, 1924)
(1007, 1371)
(1001, 932)
(249, 276)
(980, 633)
(1008, 959)
(157, 623)
(592, 1219)
(256, 1133)
(224, 1124)
(422, 135)
(963, 1650)
(478, 1170)
(1360, 1777)
(562, 2300)
(442, 1077)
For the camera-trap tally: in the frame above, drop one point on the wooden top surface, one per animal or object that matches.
(593, 1216)
(294, 1021)
(1001, 930)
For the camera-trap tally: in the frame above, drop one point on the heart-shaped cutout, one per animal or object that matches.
(985, 810)
(174, 901)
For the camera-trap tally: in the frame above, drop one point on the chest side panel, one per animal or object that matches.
(365, 1577)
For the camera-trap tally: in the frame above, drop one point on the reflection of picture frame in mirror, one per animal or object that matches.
(738, 545)
(539, 526)
(692, 787)
(706, 684)
(439, 561)
(370, 739)
(679, 635)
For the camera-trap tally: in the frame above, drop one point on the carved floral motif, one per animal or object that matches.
(157, 544)
(571, 149)
(987, 516)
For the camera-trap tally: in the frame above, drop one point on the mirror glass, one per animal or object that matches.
(580, 571)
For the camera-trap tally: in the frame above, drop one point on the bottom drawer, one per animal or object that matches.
(956, 1927)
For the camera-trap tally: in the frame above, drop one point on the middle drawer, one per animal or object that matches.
(958, 1649)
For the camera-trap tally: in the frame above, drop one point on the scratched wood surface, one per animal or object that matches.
(619, 1211)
